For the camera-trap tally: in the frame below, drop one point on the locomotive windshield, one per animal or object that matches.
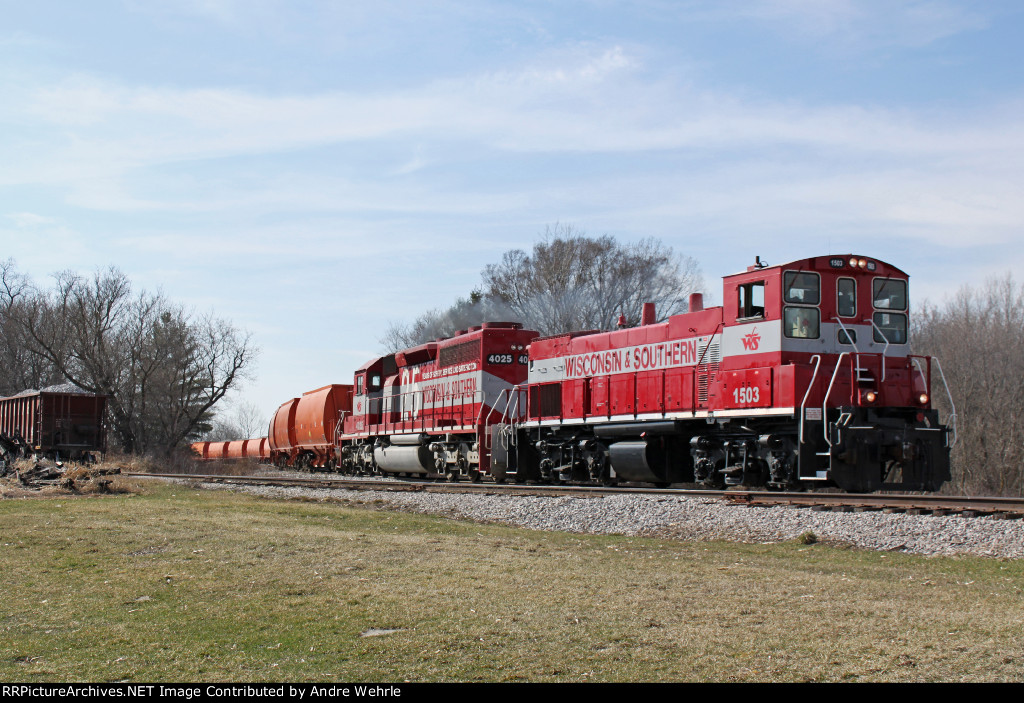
(890, 294)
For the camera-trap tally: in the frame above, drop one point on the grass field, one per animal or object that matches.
(175, 584)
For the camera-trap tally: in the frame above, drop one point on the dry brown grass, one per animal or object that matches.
(179, 584)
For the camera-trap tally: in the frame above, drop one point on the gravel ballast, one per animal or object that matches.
(696, 518)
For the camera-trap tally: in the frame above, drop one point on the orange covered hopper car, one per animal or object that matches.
(303, 431)
(253, 449)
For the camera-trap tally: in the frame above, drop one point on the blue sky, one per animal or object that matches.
(313, 170)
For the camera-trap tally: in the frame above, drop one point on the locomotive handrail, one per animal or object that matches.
(518, 390)
(817, 362)
(505, 393)
(480, 412)
(339, 428)
(856, 350)
(926, 377)
(824, 403)
(884, 350)
(849, 337)
(486, 420)
(514, 417)
(952, 416)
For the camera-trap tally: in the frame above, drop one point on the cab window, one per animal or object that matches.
(846, 301)
(751, 300)
(359, 385)
(801, 323)
(890, 294)
(802, 288)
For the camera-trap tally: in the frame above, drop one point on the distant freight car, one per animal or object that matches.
(60, 421)
(255, 449)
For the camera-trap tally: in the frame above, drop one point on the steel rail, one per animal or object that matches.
(933, 504)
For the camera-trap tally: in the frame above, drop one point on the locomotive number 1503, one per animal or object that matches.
(746, 395)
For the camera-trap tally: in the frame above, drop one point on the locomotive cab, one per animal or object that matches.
(826, 339)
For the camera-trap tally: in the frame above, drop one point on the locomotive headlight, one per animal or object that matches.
(870, 397)
(862, 263)
(923, 399)
(853, 263)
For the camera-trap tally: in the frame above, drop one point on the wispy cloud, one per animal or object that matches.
(857, 24)
(603, 100)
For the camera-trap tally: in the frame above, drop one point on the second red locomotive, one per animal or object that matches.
(430, 409)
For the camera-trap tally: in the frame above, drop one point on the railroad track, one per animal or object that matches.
(966, 506)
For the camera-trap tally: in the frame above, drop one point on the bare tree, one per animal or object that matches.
(241, 420)
(20, 369)
(571, 281)
(568, 282)
(978, 337)
(163, 369)
(465, 313)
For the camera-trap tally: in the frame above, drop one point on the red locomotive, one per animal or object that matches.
(803, 377)
(429, 409)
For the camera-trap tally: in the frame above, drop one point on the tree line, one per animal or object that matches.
(163, 367)
(978, 337)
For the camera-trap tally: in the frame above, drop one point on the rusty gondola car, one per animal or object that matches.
(61, 422)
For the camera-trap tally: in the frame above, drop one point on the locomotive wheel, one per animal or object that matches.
(475, 476)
